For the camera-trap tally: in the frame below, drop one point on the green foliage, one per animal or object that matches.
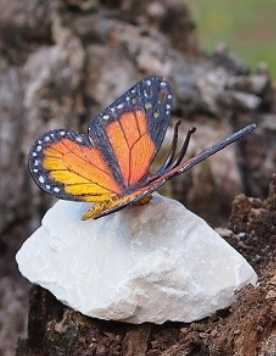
(248, 27)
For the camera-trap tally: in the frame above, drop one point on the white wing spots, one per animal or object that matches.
(62, 133)
(34, 154)
(56, 190)
(47, 186)
(46, 138)
(112, 110)
(41, 179)
(148, 93)
(35, 170)
(168, 106)
(163, 84)
(169, 96)
(106, 117)
(36, 162)
(120, 106)
(38, 148)
(79, 139)
(156, 114)
(148, 106)
(148, 82)
(52, 135)
(133, 91)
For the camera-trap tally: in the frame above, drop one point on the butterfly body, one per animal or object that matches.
(111, 165)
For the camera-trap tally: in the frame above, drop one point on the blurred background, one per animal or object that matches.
(63, 61)
(248, 27)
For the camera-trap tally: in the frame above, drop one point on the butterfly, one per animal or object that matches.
(110, 166)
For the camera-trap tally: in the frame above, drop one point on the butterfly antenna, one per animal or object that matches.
(184, 148)
(170, 156)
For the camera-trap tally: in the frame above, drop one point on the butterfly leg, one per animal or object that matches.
(171, 161)
(170, 156)
(183, 149)
(143, 201)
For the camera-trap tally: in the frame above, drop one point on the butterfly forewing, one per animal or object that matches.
(130, 131)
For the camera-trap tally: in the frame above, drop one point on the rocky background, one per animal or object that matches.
(60, 63)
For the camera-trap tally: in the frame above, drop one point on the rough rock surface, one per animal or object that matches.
(153, 263)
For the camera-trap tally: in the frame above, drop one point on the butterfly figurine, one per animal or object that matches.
(110, 166)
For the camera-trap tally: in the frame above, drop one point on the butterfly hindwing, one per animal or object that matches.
(68, 166)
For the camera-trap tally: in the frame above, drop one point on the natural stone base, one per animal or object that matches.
(151, 263)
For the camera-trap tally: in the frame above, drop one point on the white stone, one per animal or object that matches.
(151, 263)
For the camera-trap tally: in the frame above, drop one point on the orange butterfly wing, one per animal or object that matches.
(114, 159)
(132, 145)
(65, 164)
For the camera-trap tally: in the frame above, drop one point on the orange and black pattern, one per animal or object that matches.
(115, 156)
(111, 165)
